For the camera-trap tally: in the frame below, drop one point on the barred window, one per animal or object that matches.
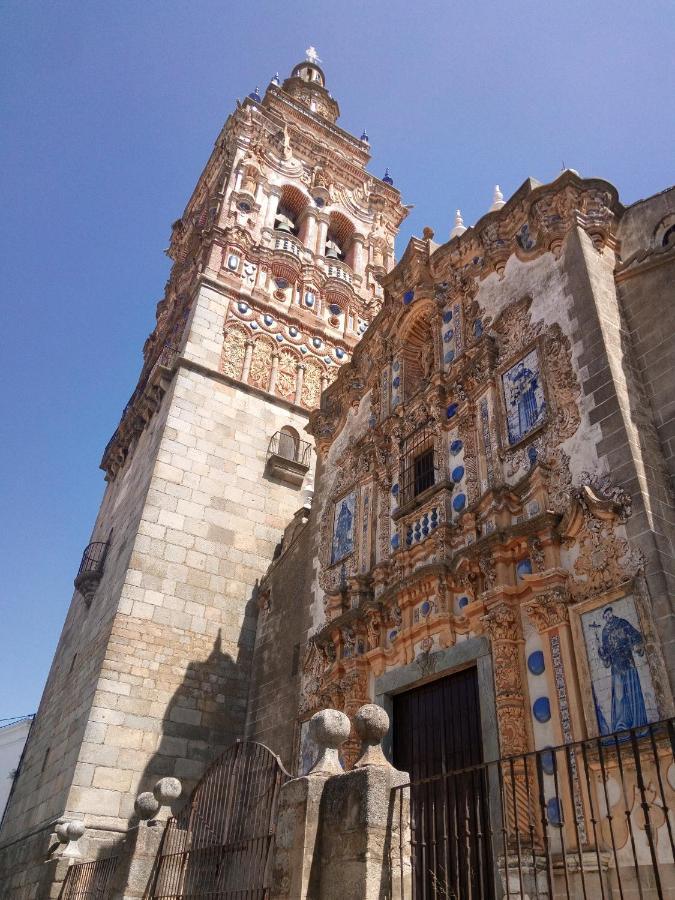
(419, 464)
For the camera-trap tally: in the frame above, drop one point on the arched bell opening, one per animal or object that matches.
(292, 204)
(339, 239)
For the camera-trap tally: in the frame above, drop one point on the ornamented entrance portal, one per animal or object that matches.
(437, 731)
(221, 845)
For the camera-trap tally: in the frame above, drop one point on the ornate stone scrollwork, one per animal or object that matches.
(548, 609)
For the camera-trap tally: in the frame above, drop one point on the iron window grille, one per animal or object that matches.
(420, 470)
(93, 558)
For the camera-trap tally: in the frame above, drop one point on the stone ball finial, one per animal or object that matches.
(372, 724)
(146, 806)
(329, 728)
(428, 233)
(69, 833)
(75, 830)
(62, 832)
(166, 790)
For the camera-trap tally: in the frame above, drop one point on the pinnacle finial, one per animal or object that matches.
(460, 227)
(276, 80)
(497, 199)
(311, 55)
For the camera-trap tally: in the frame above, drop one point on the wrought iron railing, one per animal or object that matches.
(221, 845)
(589, 819)
(287, 446)
(89, 880)
(93, 558)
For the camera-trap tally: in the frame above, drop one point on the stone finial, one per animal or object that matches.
(69, 833)
(62, 832)
(497, 199)
(329, 729)
(167, 790)
(371, 723)
(428, 233)
(460, 227)
(147, 806)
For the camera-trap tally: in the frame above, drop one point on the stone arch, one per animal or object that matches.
(289, 442)
(315, 372)
(261, 363)
(287, 374)
(292, 204)
(340, 232)
(234, 350)
(664, 233)
(416, 341)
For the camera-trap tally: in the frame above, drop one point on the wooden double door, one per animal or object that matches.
(438, 741)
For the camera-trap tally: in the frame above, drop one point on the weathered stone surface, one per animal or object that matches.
(330, 729)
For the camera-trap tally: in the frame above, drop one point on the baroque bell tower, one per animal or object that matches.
(276, 272)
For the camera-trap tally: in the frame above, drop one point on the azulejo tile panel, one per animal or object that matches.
(621, 681)
(524, 398)
(343, 527)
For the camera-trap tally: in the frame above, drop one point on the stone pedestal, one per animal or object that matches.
(364, 856)
(296, 871)
(344, 836)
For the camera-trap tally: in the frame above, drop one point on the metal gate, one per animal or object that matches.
(437, 730)
(221, 844)
(89, 880)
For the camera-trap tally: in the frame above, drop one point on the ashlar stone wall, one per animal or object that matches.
(160, 681)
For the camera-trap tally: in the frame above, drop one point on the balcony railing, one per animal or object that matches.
(291, 448)
(588, 819)
(91, 569)
(288, 244)
(339, 271)
(288, 457)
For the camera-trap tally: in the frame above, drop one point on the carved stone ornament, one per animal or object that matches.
(605, 559)
(501, 623)
(549, 609)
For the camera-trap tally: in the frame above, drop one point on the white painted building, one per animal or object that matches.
(12, 741)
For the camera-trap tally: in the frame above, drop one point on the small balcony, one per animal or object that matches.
(91, 568)
(288, 458)
(288, 244)
(340, 271)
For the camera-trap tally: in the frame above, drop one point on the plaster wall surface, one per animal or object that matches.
(12, 741)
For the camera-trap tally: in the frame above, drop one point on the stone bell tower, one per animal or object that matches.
(275, 277)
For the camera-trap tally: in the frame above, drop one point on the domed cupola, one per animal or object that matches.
(307, 85)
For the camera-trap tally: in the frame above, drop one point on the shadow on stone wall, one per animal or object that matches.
(204, 716)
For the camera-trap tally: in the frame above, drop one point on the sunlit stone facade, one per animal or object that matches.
(491, 424)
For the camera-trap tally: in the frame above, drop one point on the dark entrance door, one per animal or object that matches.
(437, 739)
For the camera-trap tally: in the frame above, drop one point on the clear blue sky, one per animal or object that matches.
(110, 112)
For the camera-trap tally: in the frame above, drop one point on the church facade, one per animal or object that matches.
(343, 481)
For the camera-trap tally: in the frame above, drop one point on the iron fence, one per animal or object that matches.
(89, 880)
(589, 819)
(221, 844)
